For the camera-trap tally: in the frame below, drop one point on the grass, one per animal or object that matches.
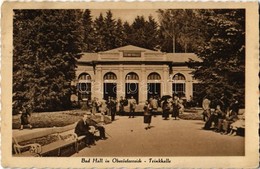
(54, 119)
(63, 118)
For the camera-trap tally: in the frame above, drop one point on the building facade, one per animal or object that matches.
(133, 71)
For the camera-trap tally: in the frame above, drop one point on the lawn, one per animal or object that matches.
(63, 118)
(57, 119)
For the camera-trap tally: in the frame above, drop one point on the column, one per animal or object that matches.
(98, 84)
(165, 81)
(143, 85)
(120, 82)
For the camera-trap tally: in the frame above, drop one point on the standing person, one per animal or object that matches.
(113, 108)
(147, 115)
(132, 107)
(82, 128)
(94, 106)
(166, 109)
(175, 107)
(154, 105)
(206, 108)
(25, 116)
(109, 106)
(122, 103)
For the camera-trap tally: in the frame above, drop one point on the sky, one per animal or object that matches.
(126, 14)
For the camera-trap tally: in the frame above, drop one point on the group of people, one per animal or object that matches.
(169, 106)
(224, 117)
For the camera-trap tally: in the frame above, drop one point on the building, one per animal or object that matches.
(133, 71)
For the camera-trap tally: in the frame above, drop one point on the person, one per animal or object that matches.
(94, 105)
(154, 104)
(166, 109)
(176, 107)
(213, 118)
(96, 126)
(132, 107)
(147, 115)
(181, 106)
(122, 103)
(206, 108)
(109, 106)
(113, 108)
(231, 116)
(25, 116)
(82, 128)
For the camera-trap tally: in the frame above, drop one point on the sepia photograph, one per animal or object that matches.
(143, 85)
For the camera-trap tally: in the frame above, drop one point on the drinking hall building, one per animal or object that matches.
(133, 71)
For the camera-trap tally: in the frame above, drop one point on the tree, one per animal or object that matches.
(128, 33)
(46, 46)
(222, 70)
(89, 38)
(171, 22)
(99, 33)
(109, 31)
(120, 36)
(151, 33)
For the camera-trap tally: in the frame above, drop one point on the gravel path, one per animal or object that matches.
(165, 138)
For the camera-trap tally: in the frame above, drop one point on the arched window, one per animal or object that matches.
(110, 76)
(154, 76)
(179, 85)
(84, 76)
(178, 76)
(84, 86)
(131, 76)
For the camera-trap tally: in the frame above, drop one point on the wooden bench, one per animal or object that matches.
(65, 135)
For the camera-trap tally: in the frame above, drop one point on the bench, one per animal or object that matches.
(65, 135)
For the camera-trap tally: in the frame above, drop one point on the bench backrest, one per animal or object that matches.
(42, 133)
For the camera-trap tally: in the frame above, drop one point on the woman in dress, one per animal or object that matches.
(147, 115)
(166, 109)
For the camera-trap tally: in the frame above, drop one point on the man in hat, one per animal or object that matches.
(96, 126)
(82, 128)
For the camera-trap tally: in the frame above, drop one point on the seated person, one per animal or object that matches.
(97, 126)
(231, 116)
(240, 123)
(214, 117)
(82, 128)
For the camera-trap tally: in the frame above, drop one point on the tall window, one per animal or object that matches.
(84, 86)
(179, 85)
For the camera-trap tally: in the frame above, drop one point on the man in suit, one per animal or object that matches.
(82, 128)
(96, 126)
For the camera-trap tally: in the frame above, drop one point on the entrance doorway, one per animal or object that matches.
(84, 86)
(153, 85)
(131, 89)
(109, 89)
(154, 90)
(132, 86)
(178, 85)
(109, 85)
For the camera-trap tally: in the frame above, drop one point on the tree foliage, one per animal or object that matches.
(222, 70)
(46, 46)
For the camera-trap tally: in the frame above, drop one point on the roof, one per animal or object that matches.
(149, 56)
(182, 57)
(130, 48)
(88, 57)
